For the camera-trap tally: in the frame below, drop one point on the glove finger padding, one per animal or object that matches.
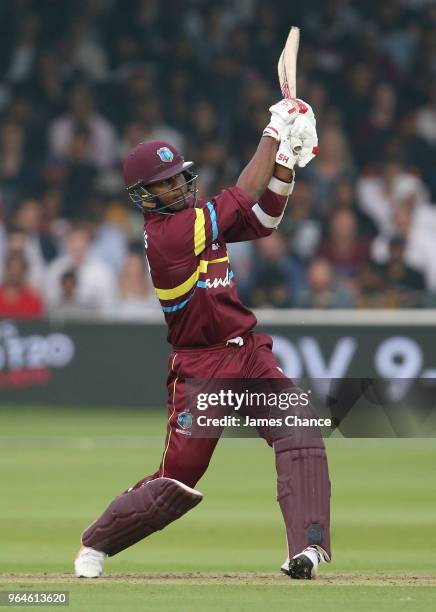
(299, 141)
(283, 113)
(304, 130)
(296, 144)
(306, 111)
(304, 157)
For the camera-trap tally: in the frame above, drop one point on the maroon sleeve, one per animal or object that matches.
(259, 220)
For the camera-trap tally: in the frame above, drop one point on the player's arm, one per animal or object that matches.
(269, 185)
(274, 180)
(257, 174)
(247, 211)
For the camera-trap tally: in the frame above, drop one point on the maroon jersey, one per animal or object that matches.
(190, 267)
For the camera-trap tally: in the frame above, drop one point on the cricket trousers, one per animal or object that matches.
(303, 485)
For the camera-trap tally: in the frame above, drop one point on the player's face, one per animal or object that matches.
(172, 192)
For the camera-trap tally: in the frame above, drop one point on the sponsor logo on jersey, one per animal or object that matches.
(165, 154)
(215, 246)
(218, 282)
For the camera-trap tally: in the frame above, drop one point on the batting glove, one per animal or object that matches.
(299, 144)
(304, 131)
(284, 113)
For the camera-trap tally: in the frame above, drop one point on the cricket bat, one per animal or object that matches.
(287, 68)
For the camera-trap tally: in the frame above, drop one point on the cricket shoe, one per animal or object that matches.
(89, 562)
(303, 566)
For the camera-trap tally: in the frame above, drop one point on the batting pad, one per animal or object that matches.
(139, 513)
(303, 492)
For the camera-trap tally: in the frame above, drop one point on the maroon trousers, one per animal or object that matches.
(303, 484)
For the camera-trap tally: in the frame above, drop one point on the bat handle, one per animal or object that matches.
(296, 145)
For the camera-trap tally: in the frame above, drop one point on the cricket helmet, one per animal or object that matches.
(150, 162)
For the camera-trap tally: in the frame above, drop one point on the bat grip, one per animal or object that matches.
(297, 145)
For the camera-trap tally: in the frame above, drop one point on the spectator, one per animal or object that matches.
(69, 305)
(96, 283)
(17, 299)
(102, 144)
(375, 291)
(79, 173)
(21, 243)
(407, 282)
(379, 123)
(149, 113)
(345, 197)
(136, 297)
(346, 252)
(411, 192)
(25, 48)
(379, 195)
(322, 291)
(299, 225)
(86, 51)
(332, 164)
(277, 274)
(15, 173)
(418, 154)
(40, 245)
(426, 119)
(110, 238)
(420, 245)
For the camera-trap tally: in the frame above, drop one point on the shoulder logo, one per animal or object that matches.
(165, 154)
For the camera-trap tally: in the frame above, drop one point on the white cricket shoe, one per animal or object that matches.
(89, 562)
(303, 566)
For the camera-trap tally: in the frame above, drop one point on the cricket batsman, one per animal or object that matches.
(212, 336)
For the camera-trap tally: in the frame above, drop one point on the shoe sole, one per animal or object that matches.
(300, 568)
(87, 577)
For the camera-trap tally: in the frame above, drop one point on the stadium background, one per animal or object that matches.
(82, 85)
(78, 87)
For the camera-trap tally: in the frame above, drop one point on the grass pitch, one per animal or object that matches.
(60, 468)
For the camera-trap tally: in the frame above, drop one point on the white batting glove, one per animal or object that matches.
(303, 133)
(285, 156)
(283, 114)
(299, 143)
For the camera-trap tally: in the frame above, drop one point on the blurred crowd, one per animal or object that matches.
(81, 85)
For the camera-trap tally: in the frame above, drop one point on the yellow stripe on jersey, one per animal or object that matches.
(219, 260)
(172, 294)
(199, 231)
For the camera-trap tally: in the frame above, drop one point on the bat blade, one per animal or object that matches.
(287, 64)
(287, 68)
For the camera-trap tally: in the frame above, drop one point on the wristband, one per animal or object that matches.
(280, 187)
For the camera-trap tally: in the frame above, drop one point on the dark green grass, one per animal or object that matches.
(59, 469)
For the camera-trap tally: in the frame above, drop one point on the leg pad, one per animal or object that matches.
(139, 513)
(303, 492)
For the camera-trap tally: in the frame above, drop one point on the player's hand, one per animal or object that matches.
(284, 113)
(303, 134)
(299, 143)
